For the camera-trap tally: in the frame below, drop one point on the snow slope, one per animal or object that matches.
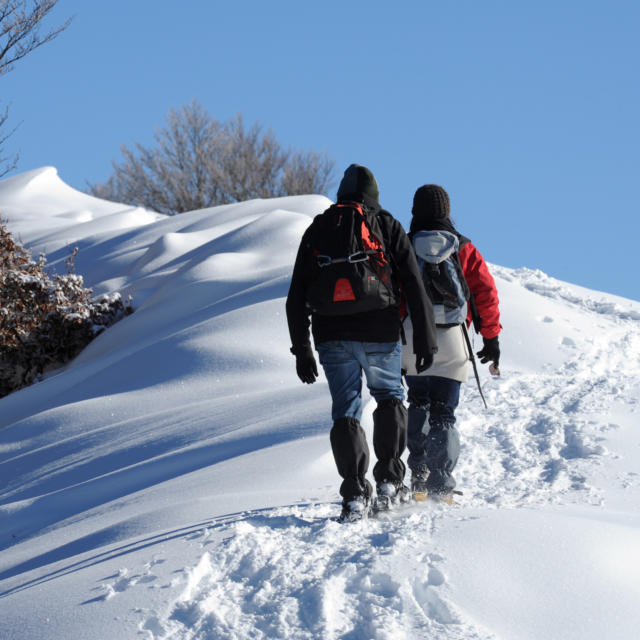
(176, 480)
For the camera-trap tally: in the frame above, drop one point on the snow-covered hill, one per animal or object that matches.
(176, 480)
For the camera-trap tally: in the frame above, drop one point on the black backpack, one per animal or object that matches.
(350, 271)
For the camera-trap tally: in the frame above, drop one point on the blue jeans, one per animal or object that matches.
(433, 440)
(344, 361)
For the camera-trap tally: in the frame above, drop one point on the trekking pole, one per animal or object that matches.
(473, 362)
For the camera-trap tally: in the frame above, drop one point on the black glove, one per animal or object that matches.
(490, 352)
(423, 362)
(306, 366)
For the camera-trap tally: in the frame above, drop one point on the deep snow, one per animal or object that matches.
(176, 480)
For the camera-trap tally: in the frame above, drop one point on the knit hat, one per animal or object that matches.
(430, 202)
(358, 181)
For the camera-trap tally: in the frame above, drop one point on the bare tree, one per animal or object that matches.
(6, 163)
(252, 162)
(20, 34)
(199, 162)
(307, 172)
(176, 174)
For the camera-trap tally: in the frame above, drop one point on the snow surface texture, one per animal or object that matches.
(176, 481)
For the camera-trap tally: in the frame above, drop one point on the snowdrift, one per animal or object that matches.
(176, 480)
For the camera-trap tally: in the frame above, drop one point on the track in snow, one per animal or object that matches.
(293, 572)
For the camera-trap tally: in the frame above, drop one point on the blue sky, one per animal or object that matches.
(527, 113)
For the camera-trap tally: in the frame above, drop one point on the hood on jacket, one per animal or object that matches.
(434, 246)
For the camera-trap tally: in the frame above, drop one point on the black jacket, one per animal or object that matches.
(373, 326)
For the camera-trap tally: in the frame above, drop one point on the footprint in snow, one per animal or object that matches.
(293, 572)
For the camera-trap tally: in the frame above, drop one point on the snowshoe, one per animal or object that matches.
(447, 497)
(419, 486)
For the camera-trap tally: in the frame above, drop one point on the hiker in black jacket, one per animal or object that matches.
(367, 341)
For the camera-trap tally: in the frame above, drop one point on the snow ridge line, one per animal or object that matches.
(539, 282)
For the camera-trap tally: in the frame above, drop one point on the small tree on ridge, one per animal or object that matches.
(199, 162)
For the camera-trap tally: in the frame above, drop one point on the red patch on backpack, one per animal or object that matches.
(343, 291)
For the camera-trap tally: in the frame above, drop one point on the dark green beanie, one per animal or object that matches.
(356, 182)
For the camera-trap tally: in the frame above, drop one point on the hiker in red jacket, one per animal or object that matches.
(433, 440)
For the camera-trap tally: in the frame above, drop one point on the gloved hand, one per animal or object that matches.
(490, 352)
(424, 361)
(306, 366)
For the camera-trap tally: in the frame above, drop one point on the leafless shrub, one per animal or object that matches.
(44, 321)
(199, 162)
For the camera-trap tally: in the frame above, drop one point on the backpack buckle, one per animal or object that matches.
(359, 256)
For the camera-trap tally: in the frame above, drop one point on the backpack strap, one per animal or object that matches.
(372, 244)
(463, 280)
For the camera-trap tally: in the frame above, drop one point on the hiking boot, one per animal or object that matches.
(390, 494)
(355, 509)
(419, 480)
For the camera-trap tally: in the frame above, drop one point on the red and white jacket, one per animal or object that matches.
(482, 287)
